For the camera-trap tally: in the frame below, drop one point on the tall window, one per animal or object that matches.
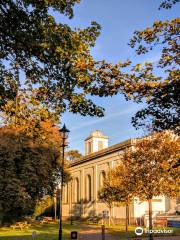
(88, 188)
(89, 147)
(100, 145)
(102, 176)
(76, 189)
(65, 193)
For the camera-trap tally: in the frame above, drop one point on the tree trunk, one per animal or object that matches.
(150, 219)
(109, 216)
(55, 207)
(127, 217)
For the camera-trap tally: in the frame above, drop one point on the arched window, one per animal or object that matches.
(88, 188)
(102, 176)
(76, 190)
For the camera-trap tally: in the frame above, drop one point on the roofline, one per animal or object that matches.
(103, 152)
(105, 137)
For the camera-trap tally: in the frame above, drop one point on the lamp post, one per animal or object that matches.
(64, 132)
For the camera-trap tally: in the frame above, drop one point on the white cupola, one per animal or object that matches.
(95, 142)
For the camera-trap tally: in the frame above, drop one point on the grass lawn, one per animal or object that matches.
(50, 231)
(44, 232)
(119, 230)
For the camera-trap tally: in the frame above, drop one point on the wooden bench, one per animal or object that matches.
(162, 222)
(47, 220)
(94, 220)
(20, 225)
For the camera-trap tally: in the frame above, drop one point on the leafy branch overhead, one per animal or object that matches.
(160, 92)
(168, 4)
(54, 59)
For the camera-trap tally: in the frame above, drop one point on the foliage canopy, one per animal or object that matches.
(161, 92)
(152, 165)
(73, 155)
(29, 169)
(54, 59)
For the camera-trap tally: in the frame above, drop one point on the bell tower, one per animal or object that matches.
(95, 142)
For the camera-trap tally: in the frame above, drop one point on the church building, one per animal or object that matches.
(80, 198)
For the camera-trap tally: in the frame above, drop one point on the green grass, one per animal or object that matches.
(44, 232)
(50, 231)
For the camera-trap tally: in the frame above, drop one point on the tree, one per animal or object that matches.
(28, 170)
(55, 61)
(106, 195)
(27, 114)
(122, 184)
(39, 53)
(30, 162)
(118, 187)
(74, 155)
(44, 206)
(161, 93)
(152, 170)
(30, 149)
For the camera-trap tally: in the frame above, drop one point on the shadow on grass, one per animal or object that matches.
(38, 237)
(29, 237)
(44, 232)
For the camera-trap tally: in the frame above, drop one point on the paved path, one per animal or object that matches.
(94, 233)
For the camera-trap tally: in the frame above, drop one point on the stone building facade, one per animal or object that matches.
(80, 198)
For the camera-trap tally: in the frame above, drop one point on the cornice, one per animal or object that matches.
(106, 151)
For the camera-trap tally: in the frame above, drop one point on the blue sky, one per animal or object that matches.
(119, 19)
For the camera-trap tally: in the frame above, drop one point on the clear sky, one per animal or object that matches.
(119, 19)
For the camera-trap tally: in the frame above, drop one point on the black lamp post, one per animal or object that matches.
(64, 132)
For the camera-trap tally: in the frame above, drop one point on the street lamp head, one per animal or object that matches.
(65, 132)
